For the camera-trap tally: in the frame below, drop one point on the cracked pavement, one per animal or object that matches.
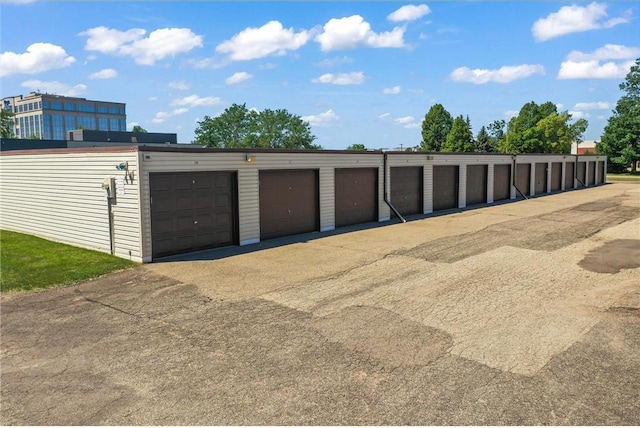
(524, 313)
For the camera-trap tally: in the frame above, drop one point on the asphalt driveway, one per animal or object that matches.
(525, 313)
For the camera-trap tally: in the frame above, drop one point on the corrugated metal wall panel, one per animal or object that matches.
(59, 196)
(327, 199)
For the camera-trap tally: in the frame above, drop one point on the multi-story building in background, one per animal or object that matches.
(51, 117)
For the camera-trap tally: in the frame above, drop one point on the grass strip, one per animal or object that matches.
(28, 262)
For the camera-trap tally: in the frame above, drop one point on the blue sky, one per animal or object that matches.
(359, 72)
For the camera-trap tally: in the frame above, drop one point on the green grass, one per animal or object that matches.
(28, 263)
(623, 177)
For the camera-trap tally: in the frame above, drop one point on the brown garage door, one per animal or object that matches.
(556, 176)
(523, 174)
(592, 173)
(477, 184)
(501, 182)
(288, 202)
(569, 175)
(445, 187)
(582, 174)
(541, 178)
(356, 195)
(406, 189)
(192, 211)
(603, 173)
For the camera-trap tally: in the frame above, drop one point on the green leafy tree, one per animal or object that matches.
(138, 128)
(239, 127)
(541, 129)
(357, 147)
(460, 138)
(6, 123)
(621, 138)
(496, 134)
(436, 126)
(483, 141)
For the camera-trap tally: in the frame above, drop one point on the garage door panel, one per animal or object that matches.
(541, 178)
(592, 173)
(477, 184)
(523, 175)
(189, 213)
(406, 189)
(556, 176)
(356, 195)
(445, 187)
(569, 175)
(581, 172)
(501, 182)
(289, 202)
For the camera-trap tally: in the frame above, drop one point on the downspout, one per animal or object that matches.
(514, 177)
(385, 194)
(110, 214)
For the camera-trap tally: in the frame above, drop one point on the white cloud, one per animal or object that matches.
(130, 125)
(321, 119)
(238, 77)
(55, 87)
(559, 106)
(608, 51)
(353, 31)
(162, 116)
(179, 85)
(409, 13)
(511, 113)
(597, 105)
(332, 62)
(590, 65)
(391, 91)
(354, 78)
(578, 114)
(270, 39)
(159, 44)
(107, 73)
(504, 74)
(196, 101)
(384, 116)
(39, 57)
(404, 120)
(573, 19)
(152, 99)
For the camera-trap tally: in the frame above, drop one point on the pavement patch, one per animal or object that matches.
(613, 256)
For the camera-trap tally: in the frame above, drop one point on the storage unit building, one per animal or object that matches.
(145, 203)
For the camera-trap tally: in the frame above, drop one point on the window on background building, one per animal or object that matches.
(103, 124)
(113, 125)
(69, 123)
(85, 122)
(21, 120)
(39, 105)
(123, 125)
(46, 119)
(39, 126)
(32, 127)
(69, 106)
(45, 104)
(102, 109)
(58, 131)
(113, 110)
(56, 105)
(30, 106)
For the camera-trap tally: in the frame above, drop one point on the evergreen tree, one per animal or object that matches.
(435, 128)
(460, 139)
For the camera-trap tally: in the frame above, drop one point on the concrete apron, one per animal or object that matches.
(506, 286)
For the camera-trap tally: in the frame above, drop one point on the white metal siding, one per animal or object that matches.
(59, 196)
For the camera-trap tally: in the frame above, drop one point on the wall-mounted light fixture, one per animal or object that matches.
(429, 157)
(124, 166)
(250, 158)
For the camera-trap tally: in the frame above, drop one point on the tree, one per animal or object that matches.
(541, 129)
(460, 138)
(6, 123)
(496, 134)
(357, 147)
(483, 141)
(435, 127)
(621, 138)
(239, 127)
(138, 128)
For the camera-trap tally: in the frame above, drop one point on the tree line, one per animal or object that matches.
(535, 129)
